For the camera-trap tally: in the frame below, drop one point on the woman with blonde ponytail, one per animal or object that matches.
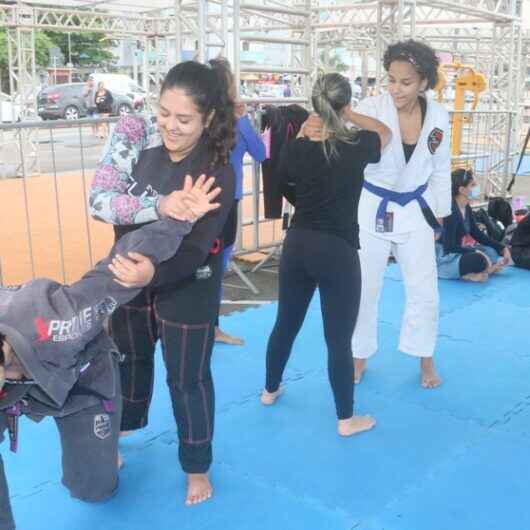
(323, 179)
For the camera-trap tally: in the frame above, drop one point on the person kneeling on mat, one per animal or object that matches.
(464, 251)
(56, 359)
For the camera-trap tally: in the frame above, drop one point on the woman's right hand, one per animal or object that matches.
(312, 128)
(134, 271)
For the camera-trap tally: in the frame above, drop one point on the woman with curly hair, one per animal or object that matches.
(140, 180)
(405, 197)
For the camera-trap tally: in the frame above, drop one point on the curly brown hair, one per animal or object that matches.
(420, 55)
(209, 87)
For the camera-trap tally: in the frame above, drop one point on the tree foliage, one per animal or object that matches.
(331, 62)
(42, 44)
(86, 49)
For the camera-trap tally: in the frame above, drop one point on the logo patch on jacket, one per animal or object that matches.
(102, 426)
(435, 139)
(106, 307)
(64, 330)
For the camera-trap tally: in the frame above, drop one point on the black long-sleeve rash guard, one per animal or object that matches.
(155, 173)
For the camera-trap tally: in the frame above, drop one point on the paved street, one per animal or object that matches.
(57, 146)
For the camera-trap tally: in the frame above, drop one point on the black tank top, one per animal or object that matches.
(409, 148)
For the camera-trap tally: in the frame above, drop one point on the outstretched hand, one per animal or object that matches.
(192, 202)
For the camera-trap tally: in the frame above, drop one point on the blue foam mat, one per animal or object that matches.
(452, 458)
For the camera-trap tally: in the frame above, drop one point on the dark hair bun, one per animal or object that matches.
(460, 178)
(421, 56)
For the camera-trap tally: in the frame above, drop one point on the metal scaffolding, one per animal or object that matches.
(486, 34)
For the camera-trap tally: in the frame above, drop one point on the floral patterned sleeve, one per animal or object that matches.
(108, 199)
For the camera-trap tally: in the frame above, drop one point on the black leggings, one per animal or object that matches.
(309, 259)
(183, 319)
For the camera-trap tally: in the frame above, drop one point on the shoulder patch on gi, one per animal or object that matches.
(435, 139)
(102, 426)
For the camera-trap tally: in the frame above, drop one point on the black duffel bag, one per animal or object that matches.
(521, 244)
(488, 224)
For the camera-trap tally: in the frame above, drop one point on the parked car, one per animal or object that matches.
(67, 101)
(9, 112)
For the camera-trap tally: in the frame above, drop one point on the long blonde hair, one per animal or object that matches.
(331, 93)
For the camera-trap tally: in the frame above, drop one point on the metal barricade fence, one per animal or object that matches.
(45, 227)
(485, 142)
(46, 230)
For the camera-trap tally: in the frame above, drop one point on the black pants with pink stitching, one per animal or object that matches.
(183, 319)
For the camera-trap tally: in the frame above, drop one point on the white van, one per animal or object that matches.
(9, 112)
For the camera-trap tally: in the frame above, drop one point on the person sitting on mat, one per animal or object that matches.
(323, 180)
(57, 360)
(464, 251)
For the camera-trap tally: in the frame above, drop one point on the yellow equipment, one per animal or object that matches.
(467, 81)
(472, 81)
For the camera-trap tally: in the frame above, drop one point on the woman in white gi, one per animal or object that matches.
(405, 197)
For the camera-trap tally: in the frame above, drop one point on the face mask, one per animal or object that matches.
(474, 193)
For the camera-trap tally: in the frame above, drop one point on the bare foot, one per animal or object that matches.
(199, 488)
(476, 277)
(355, 425)
(429, 377)
(359, 366)
(225, 338)
(269, 398)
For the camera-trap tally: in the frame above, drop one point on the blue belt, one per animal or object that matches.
(401, 198)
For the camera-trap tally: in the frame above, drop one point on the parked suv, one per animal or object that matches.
(67, 101)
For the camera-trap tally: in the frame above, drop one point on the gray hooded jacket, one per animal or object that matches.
(57, 331)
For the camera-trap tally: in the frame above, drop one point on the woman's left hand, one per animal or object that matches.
(200, 196)
(133, 272)
(192, 202)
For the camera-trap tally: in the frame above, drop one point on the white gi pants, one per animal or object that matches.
(415, 253)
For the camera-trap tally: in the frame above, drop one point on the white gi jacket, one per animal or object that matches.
(430, 163)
